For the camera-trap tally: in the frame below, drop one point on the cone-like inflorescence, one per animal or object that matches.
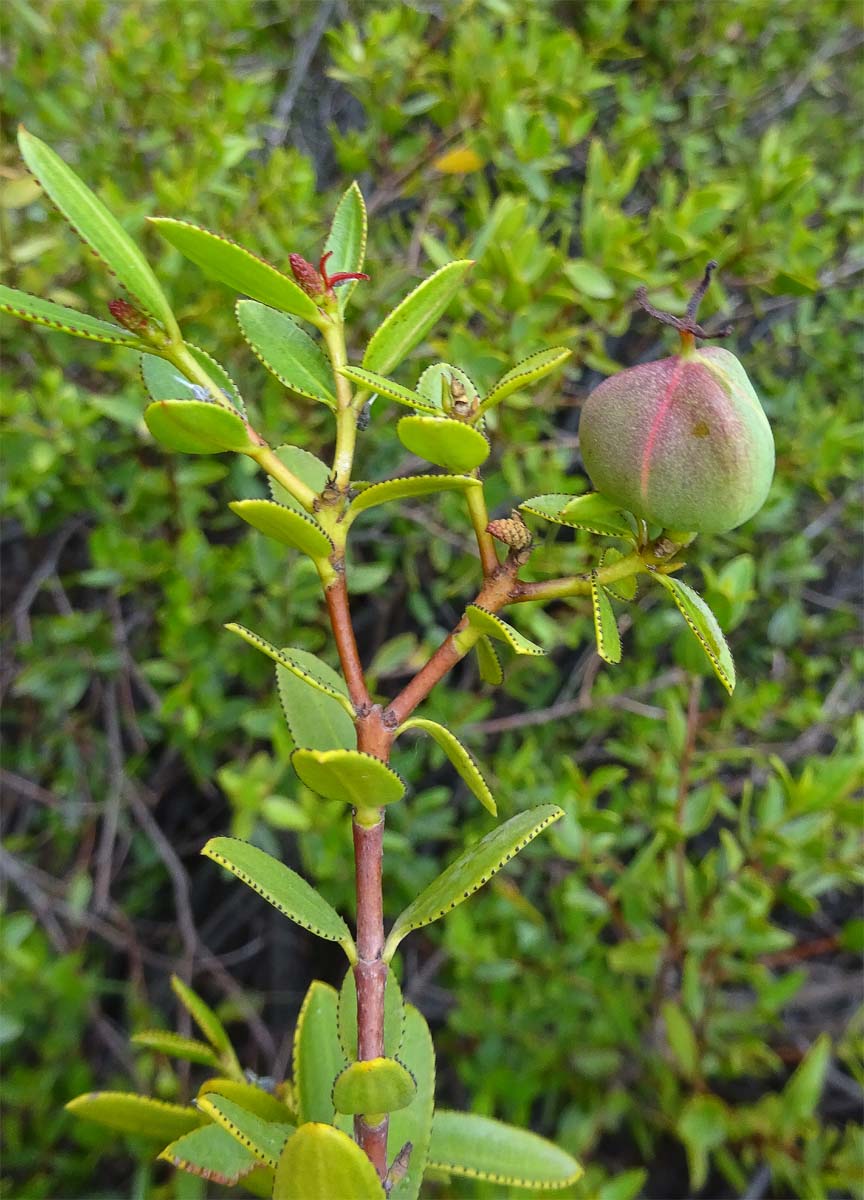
(681, 442)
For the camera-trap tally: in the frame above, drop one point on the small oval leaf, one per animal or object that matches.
(285, 525)
(92, 221)
(321, 1163)
(351, 776)
(482, 1148)
(470, 871)
(492, 626)
(373, 1087)
(139, 1115)
(605, 626)
(263, 1139)
(315, 719)
(382, 386)
(704, 627)
(317, 1055)
(238, 268)
(414, 1123)
(443, 441)
(411, 320)
(346, 241)
(212, 1154)
(524, 373)
(163, 1041)
(287, 351)
(63, 319)
(285, 659)
(459, 757)
(283, 888)
(198, 427)
(406, 488)
(394, 1015)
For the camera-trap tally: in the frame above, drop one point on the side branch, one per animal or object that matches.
(343, 632)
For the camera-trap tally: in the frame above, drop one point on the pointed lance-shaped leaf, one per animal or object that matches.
(444, 442)
(346, 241)
(263, 1139)
(394, 1015)
(285, 659)
(351, 776)
(492, 626)
(285, 525)
(317, 1055)
(382, 386)
(482, 1148)
(65, 320)
(470, 871)
(163, 1041)
(411, 320)
(283, 888)
(253, 1099)
(592, 512)
(140, 1115)
(287, 351)
(207, 1021)
(535, 367)
(198, 427)
(322, 1163)
(704, 626)
(459, 757)
(212, 1154)
(406, 488)
(605, 626)
(238, 268)
(92, 221)
(316, 720)
(414, 1123)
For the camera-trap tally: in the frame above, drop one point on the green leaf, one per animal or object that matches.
(286, 659)
(322, 1163)
(315, 719)
(414, 1123)
(198, 426)
(373, 1087)
(411, 320)
(66, 320)
(211, 1153)
(206, 1020)
(346, 241)
(470, 871)
(801, 1094)
(139, 1115)
(435, 382)
(704, 627)
(164, 381)
(490, 667)
(681, 1038)
(589, 279)
(406, 488)
(605, 625)
(263, 1139)
(394, 1015)
(443, 441)
(492, 626)
(592, 512)
(238, 268)
(480, 1148)
(621, 589)
(311, 470)
(386, 387)
(285, 525)
(253, 1099)
(287, 351)
(535, 367)
(173, 1044)
(92, 221)
(283, 888)
(352, 776)
(701, 1127)
(459, 757)
(317, 1054)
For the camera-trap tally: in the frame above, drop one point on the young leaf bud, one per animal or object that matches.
(681, 442)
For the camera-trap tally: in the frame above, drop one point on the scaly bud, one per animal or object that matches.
(681, 442)
(512, 531)
(130, 317)
(306, 275)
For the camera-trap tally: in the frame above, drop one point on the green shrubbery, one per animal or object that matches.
(655, 989)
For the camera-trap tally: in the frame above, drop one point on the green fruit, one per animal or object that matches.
(682, 442)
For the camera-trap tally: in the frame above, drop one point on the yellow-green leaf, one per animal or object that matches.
(309, 469)
(263, 1139)
(351, 776)
(407, 488)
(174, 1044)
(317, 1055)
(139, 1115)
(63, 319)
(474, 867)
(254, 1099)
(346, 241)
(459, 757)
(198, 426)
(592, 512)
(371, 381)
(164, 381)
(490, 667)
(704, 627)
(443, 441)
(212, 1154)
(605, 626)
(535, 367)
(436, 382)
(394, 1015)
(323, 1163)
(283, 888)
(206, 1020)
(284, 659)
(481, 1148)
(372, 1087)
(285, 525)
(492, 626)
(411, 320)
(287, 351)
(315, 719)
(414, 1123)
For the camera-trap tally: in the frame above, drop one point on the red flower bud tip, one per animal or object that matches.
(331, 281)
(129, 316)
(309, 279)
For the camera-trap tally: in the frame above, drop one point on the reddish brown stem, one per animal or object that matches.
(343, 631)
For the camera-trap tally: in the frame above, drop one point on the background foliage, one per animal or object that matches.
(668, 983)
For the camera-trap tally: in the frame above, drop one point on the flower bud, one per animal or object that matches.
(681, 442)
